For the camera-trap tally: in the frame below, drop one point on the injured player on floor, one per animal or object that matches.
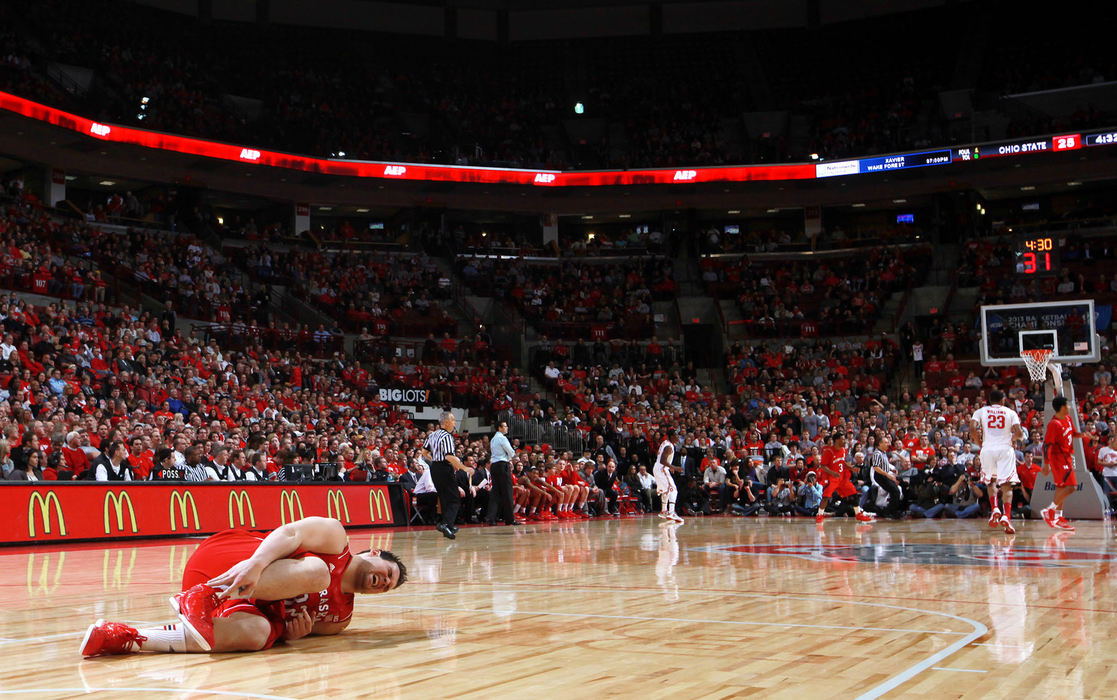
(245, 592)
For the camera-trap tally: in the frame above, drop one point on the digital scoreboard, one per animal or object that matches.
(1036, 255)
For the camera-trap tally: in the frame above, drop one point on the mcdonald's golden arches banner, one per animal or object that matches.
(52, 511)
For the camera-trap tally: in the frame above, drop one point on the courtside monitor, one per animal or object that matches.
(1067, 328)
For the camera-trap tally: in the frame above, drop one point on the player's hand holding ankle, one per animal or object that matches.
(299, 626)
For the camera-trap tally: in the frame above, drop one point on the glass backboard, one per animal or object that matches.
(1069, 328)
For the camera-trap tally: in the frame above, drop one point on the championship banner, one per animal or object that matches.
(52, 511)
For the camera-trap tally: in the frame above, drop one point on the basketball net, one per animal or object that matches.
(1038, 362)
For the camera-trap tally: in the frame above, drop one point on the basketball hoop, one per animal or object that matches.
(1036, 361)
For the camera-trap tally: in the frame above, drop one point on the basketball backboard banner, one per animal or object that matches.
(1068, 328)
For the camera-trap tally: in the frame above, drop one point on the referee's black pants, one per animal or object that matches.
(442, 474)
(500, 500)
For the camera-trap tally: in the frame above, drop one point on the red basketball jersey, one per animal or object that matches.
(1057, 448)
(834, 459)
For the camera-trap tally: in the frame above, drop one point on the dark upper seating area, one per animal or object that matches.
(675, 99)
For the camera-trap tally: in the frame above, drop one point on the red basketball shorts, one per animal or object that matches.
(215, 556)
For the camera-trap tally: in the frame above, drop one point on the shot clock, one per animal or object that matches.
(1036, 255)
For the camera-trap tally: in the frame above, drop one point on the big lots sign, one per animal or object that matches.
(66, 511)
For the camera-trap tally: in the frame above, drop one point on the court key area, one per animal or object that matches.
(718, 607)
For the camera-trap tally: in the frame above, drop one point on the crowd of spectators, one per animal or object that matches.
(77, 259)
(572, 299)
(832, 296)
(649, 101)
(387, 293)
(769, 236)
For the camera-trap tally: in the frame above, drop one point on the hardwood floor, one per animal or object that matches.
(719, 607)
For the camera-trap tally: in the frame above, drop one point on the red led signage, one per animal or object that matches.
(394, 171)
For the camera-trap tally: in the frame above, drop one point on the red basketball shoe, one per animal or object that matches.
(995, 518)
(103, 638)
(1063, 524)
(195, 608)
(1048, 514)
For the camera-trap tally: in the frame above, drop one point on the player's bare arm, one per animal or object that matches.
(315, 534)
(668, 455)
(976, 433)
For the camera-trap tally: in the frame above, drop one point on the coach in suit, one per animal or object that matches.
(501, 455)
(410, 478)
(438, 450)
(481, 483)
(606, 479)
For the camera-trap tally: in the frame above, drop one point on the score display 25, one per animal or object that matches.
(1036, 256)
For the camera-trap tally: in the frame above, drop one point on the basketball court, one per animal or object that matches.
(719, 607)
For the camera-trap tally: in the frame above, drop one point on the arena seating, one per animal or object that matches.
(839, 295)
(594, 299)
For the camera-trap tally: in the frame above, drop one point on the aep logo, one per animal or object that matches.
(249, 154)
(99, 129)
(685, 175)
(544, 178)
(395, 170)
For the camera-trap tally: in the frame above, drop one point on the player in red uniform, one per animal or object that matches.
(571, 477)
(837, 479)
(243, 592)
(1058, 460)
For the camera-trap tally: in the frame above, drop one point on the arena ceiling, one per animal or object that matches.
(528, 20)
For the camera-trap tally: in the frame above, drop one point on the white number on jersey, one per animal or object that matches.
(996, 423)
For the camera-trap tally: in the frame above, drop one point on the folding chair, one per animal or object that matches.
(416, 514)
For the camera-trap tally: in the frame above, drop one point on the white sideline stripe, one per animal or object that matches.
(63, 635)
(960, 670)
(661, 619)
(177, 691)
(42, 638)
(979, 631)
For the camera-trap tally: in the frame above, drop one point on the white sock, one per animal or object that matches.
(165, 638)
(516, 509)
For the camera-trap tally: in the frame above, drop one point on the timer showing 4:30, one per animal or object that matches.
(1035, 255)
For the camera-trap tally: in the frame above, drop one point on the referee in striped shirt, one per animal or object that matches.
(438, 450)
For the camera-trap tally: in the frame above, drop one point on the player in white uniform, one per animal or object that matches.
(996, 428)
(664, 483)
